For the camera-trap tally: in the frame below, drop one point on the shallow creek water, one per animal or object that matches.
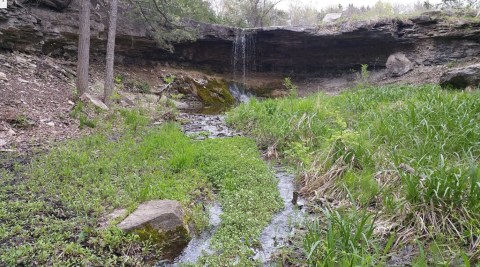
(282, 226)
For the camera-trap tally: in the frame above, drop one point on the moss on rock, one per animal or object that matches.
(215, 92)
(171, 242)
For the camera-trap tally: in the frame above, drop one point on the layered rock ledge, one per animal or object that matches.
(431, 39)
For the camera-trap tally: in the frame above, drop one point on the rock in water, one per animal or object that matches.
(161, 222)
(461, 78)
(398, 64)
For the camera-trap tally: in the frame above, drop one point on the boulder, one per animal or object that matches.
(461, 78)
(331, 17)
(95, 101)
(161, 222)
(398, 64)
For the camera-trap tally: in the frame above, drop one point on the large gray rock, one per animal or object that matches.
(161, 215)
(398, 64)
(95, 101)
(461, 78)
(162, 223)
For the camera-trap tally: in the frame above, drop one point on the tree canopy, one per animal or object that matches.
(165, 18)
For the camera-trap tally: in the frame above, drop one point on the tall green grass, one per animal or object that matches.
(411, 153)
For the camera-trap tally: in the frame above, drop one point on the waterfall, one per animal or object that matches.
(243, 54)
(239, 92)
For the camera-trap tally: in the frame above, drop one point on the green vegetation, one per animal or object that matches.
(51, 209)
(169, 79)
(401, 159)
(248, 195)
(291, 88)
(137, 86)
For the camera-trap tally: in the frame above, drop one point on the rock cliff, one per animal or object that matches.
(430, 39)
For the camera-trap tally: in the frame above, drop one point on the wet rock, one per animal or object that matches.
(461, 78)
(210, 91)
(398, 64)
(95, 101)
(161, 222)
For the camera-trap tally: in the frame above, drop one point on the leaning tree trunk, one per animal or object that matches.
(83, 48)
(112, 28)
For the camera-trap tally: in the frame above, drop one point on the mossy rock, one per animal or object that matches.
(215, 92)
(171, 242)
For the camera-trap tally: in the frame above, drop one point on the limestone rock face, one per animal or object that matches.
(461, 78)
(431, 39)
(398, 64)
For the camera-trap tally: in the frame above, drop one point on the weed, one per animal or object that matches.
(118, 79)
(138, 86)
(21, 122)
(411, 153)
(169, 79)
(78, 112)
(345, 241)
(134, 119)
(363, 77)
(292, 88)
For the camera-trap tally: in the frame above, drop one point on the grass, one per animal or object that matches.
(50, 209)
(408, 155)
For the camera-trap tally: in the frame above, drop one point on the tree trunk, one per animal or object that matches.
(83, 48)
(112, 28)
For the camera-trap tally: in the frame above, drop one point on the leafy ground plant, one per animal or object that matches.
(51, 209)
(409, 154)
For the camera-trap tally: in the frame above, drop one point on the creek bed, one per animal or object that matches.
(282, 226)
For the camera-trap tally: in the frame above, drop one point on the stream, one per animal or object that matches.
(282, 226)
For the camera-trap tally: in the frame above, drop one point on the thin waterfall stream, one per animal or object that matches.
(243, 55)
